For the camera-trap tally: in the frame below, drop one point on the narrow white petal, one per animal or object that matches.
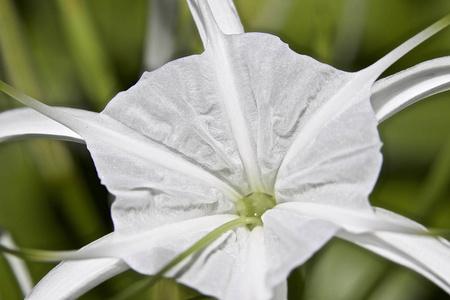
(24, 123)
(427, 255)
(160, 39)
(18, 266)
(353, 220)
(71, 279)
(393, 93)
(381, 65)
(225, 15)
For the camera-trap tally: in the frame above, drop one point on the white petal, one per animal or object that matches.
(393, 93)
(24, 123)
(225, 16)
(255, 267)
(290, 240)
(429, 256)
(232, 268)
(71, 279)
(219, 270)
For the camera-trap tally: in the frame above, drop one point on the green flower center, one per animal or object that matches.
(255, 205)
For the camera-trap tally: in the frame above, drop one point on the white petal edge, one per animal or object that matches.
(427, 255)
(24, 123)
(394, 93)
(71, 279)
(225, 15)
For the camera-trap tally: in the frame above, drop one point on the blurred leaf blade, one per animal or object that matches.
(94, 72)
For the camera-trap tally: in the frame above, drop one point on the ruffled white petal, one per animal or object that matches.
(393, 93)
(71, 279)
(329, 171)
(24, 123)
(427, 255)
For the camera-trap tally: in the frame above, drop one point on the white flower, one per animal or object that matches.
(280, 149)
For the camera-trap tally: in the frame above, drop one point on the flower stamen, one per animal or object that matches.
(255, 205)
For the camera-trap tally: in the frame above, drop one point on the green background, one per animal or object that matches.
(80, 53)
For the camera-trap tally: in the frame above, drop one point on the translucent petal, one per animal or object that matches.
(161, 35)
(72, 279)
(24, 123)
(427, 255)
(393, 93)
(281, 291)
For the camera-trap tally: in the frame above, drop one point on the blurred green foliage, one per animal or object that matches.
(80, 53)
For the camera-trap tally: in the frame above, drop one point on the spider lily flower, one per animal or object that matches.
(233, 167)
